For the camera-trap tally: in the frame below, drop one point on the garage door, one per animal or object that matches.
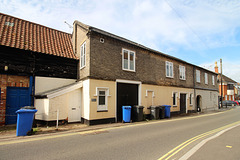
(17, 97)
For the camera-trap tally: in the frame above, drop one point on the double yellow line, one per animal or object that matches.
(175, 150)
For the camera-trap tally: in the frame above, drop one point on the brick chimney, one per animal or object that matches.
(216, 67)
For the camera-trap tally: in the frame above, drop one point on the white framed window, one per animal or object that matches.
(128, 60)
(190, 99)
(102, 99)
(213, 80)
(174, 95)
(182, 74)
(169, 69)
(206, 78)
(198, 76)
(83, 55)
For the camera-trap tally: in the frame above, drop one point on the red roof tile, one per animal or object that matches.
(22, 34)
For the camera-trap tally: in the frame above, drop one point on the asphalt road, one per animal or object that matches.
(163, 139)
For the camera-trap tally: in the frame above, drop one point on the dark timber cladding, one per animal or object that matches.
(21, 62)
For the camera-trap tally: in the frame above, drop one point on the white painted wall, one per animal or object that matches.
(42, 105)
(86, 99)
(43, 84)
(47, 108)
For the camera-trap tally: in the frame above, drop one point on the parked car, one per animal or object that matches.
(237, 102)
(229, 103)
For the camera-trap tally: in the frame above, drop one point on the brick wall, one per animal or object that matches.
(9, 81)
(106, 63)
(202, 84)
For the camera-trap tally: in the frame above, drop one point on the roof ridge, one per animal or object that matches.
(34, 23)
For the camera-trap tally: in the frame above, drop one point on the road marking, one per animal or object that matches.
(175, 150)
(30, 139)
(198, 146)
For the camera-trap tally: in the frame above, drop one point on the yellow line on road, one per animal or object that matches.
(175, 150)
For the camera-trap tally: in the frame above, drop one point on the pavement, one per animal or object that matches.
(8, 132)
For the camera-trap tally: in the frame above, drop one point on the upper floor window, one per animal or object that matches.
(182, 72)
(230, 86)
(83, 55)
(213, 80)
(206, 78)
(198, 76)
(169, 69)
(128, 60)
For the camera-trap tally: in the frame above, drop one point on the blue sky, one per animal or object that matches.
(197, 31)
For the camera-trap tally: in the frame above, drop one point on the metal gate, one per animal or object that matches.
(17, 97)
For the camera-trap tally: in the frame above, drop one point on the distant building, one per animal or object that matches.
(228, 86)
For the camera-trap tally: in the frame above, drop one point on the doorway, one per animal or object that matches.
(199, 99)
(127, 95)
(183, 105)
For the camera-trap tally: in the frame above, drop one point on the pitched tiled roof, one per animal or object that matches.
(227, 79)
(22, 34)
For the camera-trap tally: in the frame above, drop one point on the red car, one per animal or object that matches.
(237, 102)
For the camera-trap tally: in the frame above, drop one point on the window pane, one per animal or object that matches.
(101, 100)
(167, 69)
(174, 98)
(125, 55)
(131, 65)
(102, 93)
(131, 56)
(125, 65)
(171, 71)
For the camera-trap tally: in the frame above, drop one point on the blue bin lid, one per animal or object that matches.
(126, 107)
(26, 111)
(167, 106)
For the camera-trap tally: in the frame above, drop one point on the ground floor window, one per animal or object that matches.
(190, 98)
(102, 99)
(174, 98)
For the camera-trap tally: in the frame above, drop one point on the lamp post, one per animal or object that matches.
(221, 84)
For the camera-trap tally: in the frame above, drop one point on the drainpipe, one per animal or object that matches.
(32, 80)
(194, 87)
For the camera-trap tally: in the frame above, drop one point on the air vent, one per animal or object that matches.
(101, 40)
(9, 24)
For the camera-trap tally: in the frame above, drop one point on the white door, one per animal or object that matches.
(74, 110)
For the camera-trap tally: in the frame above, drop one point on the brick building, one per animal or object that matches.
(115, 72)
(29, 52)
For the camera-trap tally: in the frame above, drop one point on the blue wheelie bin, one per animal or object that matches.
(167, 111)
(126, 113)
(24, 121)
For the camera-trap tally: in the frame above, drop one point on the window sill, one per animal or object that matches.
(82, 67)
(128, 70)
(182, 79)
(174, 105)
(170, 77)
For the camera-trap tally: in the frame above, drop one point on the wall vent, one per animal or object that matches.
(101, 40)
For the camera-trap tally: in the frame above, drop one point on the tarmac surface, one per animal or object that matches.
(8, 132)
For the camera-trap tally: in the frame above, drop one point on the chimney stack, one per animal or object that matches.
(216, 67)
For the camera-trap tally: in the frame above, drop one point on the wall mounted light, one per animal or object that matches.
(5, 68)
